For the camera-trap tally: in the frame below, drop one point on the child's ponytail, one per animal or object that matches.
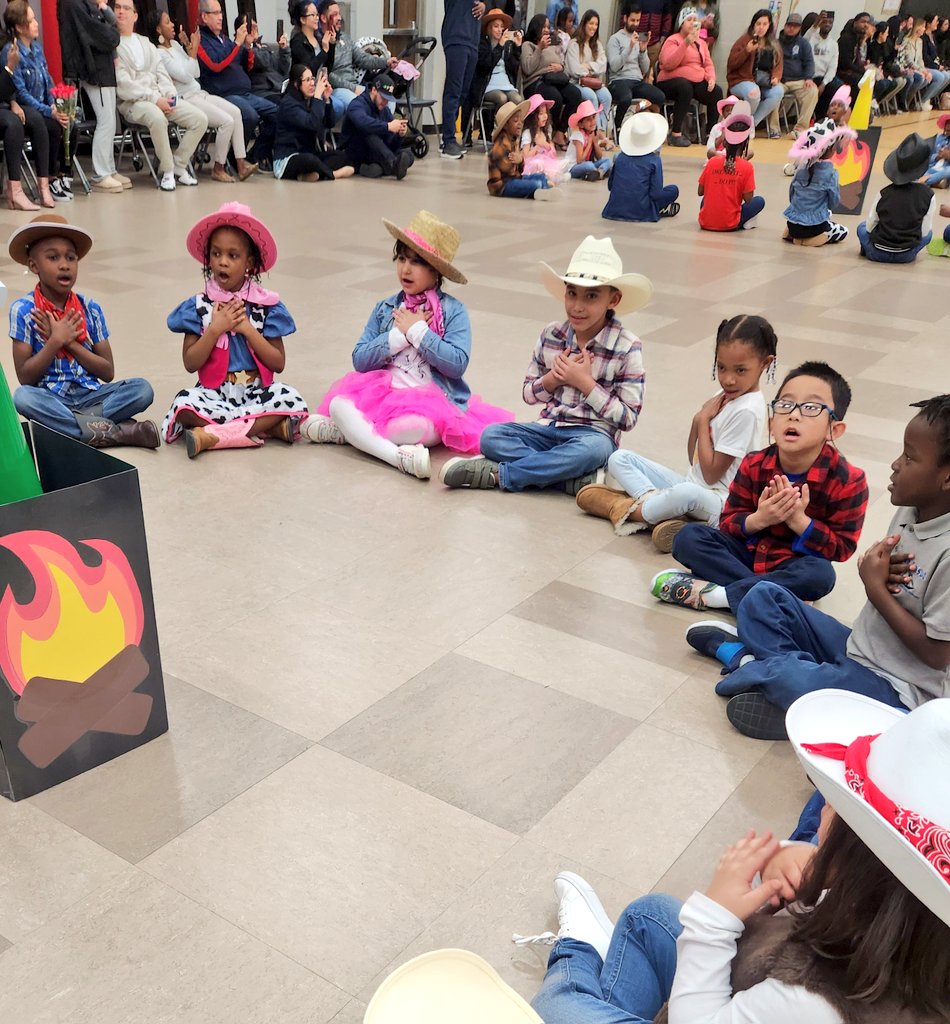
(734, 150)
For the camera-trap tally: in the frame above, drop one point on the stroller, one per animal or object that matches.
(414, 56)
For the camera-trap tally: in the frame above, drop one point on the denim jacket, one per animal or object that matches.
(811, 202)
(448, 357)
(32, 79)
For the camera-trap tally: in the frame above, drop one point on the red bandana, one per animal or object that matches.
(72, 303)
(931, 841)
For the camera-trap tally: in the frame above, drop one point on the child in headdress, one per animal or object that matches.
(839, 111)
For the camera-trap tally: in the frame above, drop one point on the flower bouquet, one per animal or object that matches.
(65, 98)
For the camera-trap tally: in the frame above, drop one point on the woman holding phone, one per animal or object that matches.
(542, 70)
(303, 119)
(754, 67)
(306, 47)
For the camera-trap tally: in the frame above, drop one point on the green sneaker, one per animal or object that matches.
(479, 473)
(938, 247)
(673, 586)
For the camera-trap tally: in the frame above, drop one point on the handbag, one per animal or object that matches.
(590, 82)
(558, 79)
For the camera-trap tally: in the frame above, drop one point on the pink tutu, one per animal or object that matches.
(548, 162)
(381, 403)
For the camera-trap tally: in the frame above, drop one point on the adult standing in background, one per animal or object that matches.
(824, 50)
(629, 64)
(88, 37)
(460, 35)
(657, 21)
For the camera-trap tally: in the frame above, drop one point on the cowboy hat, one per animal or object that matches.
(596, 263)
(46, 226)
(434, 240)
(495, 14)
(898, 802)
(232, 215)
(738, 126)
(448, 985)
(842, 96)
(536, 100)
(507, 111)
(818, 139)
(725, 103)
(909, 161)
(586, 109)
(643, 134)
(942, 122)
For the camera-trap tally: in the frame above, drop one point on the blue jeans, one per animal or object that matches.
(340, 99)
(256, 109)
(536, 455)
(798, 649)
(600, 98)
(915, 82)
(936, 175)
(872, 252)
(631, 985)
(751, 209)
(724, 559)
(602, 165)
(674, 495)
(936, 86)
(119, 401)
(762, 103)
(459, 72)
(525, 186)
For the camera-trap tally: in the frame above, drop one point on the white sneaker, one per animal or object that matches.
(185, 177)
(167, 184)
(414, 460)
(321, 430)
(548, 195)
(580, 914)
(750, 223)
(789, 170)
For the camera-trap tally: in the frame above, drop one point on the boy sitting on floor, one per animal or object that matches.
(793, 508)
(899, 650)
(587, 371)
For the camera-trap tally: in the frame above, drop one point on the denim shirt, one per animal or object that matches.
(32, 78)
(811, 203)
(447, 357)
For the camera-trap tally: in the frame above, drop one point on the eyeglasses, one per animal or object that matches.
(307, 78)
(810, 410)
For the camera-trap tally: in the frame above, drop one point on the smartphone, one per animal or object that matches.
(280, 28)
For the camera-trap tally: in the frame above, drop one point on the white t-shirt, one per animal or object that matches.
(409, 367)
(738, 429)
(576, 136)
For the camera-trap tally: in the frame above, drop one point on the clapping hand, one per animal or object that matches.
(574, 370)
(777, 502)
(59, 332)
(13, 56)
(901, 572)
(227, 317)
(874, 566)
(732, 885)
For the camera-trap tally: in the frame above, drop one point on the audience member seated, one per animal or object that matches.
(374, 139)
(11, 135)
(303, 120)
(542, 70)
(181, 63)
(754, 67)
(224, 72)
(629, 65)
(271, 65)
(853, 51)
(941, 77)
(499, 56)
(34, 107)
(564, 24)
(148, 97)
(307, 45)
(687, 74)
(798, 73)
(882, 54)
(824, 51)
(586, 63)
(350, 64)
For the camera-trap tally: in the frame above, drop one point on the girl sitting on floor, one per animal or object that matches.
(589, 154)
(234, 340)
(537, 142)
(813, 192)
(727, 427)
(727, 183)
(407, 392)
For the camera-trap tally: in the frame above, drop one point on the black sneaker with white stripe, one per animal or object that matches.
(60, 192)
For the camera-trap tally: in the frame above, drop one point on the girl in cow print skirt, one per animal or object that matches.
(234, 339)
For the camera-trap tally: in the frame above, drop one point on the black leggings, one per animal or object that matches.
(682, 92)
(11, 131)
(46, 134)
(567, 99)
(309, 163)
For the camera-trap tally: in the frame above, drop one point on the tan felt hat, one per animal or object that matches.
(45, 226)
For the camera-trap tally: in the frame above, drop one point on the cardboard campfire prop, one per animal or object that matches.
(81, 673)
(853, 163)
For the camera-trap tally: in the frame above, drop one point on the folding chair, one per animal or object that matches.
(695, 115)
(788, 104)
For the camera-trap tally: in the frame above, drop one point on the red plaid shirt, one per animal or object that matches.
(837, 501)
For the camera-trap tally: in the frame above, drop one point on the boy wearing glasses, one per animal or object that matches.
(793, 508)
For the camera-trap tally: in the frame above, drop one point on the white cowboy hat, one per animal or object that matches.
(448, 985)
(643, 134)
(908, 763)
(595, 263)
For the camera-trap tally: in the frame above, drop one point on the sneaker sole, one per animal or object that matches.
(590, 898)
(756, 718)
(663, 535)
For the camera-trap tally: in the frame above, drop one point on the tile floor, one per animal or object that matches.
(397, 711)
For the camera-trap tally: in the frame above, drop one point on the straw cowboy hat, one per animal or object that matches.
(643, 134)
(449, 986)
(506, 112)
(885, 773)
(738, 126)
(596, 263)
(434, 240)
(45, 226)
(495, 14)
(909, 161)
(232, 215)
(586, 109)
(814, 142)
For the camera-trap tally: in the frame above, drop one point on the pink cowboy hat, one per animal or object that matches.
(724, 104)
(843, 96)
(942, 122)
(812, 144)
(586, 109)
(738, 126)
(232, 215)
(535, 101)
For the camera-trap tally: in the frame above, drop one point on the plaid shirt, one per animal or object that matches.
(617, 367)
(838, 499)
(500, 167)
(62, 372)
